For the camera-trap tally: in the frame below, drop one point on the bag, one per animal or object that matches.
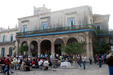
(27, 68)
(6, 69)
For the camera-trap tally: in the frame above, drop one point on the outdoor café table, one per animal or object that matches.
(65, 64)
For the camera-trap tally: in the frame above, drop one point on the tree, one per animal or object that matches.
(101, 47)
(73, 48)
(23, 49)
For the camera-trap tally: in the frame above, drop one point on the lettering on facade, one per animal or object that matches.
(45, 17)
(70, 13)
(24, 21)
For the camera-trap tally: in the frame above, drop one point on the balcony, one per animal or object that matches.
(7, 43)
(56, 29)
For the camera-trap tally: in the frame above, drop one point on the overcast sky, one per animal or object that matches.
(11, 10)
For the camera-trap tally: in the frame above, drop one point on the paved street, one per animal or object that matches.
(75, 70)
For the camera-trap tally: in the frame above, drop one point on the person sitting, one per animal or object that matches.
(40, 63)
(33, 63)
(19, 64)
(36, 63)
(23, 65)
(27, 65)
(46, 64)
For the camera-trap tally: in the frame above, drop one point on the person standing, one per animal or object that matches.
(15, 62)
(105, 57)
(7, 63)
(90, 60)
(79, 60)
(109, 61)
(100, 61)
(51, 60)
(95, 59)
(84, 61)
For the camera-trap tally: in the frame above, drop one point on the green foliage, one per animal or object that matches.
(73, 48)
(23, 49)
(101, 47)
(14, 53)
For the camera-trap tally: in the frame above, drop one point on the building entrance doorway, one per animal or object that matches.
(46, 47)
(58, 43)
(34, 48)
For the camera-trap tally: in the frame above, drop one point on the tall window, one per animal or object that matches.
(10, 51)
(3, 52)
(11, 37)
(71, 21)
(3, 38)
(38, 12)
(44, 25)
(98, 27)
(24, 28)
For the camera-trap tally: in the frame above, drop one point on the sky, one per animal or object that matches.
(11, 10)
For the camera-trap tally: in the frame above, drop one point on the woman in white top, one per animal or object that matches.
(46, 64)
(40, 63)
(84, 61)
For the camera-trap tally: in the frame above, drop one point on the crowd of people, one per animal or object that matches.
(43, 62)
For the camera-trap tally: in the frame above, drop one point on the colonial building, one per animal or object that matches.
(45, 31)
(7, 42)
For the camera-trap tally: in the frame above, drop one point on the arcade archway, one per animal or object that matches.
(24, 48)
(45, 47)
(58, 43)
(71, 40)
(34, 48)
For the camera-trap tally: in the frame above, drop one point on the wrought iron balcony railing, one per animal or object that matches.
(56, 29)
(7, 43)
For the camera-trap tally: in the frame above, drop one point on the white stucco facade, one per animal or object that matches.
(81, 15)
(8, 41)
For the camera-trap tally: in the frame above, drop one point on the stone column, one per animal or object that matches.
(39, 50)
(29, 51)
(89, 48)
(52, 48)
(91, 45)
(17, 47)
(65, 41)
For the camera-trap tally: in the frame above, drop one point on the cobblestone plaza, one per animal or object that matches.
(75, 70)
